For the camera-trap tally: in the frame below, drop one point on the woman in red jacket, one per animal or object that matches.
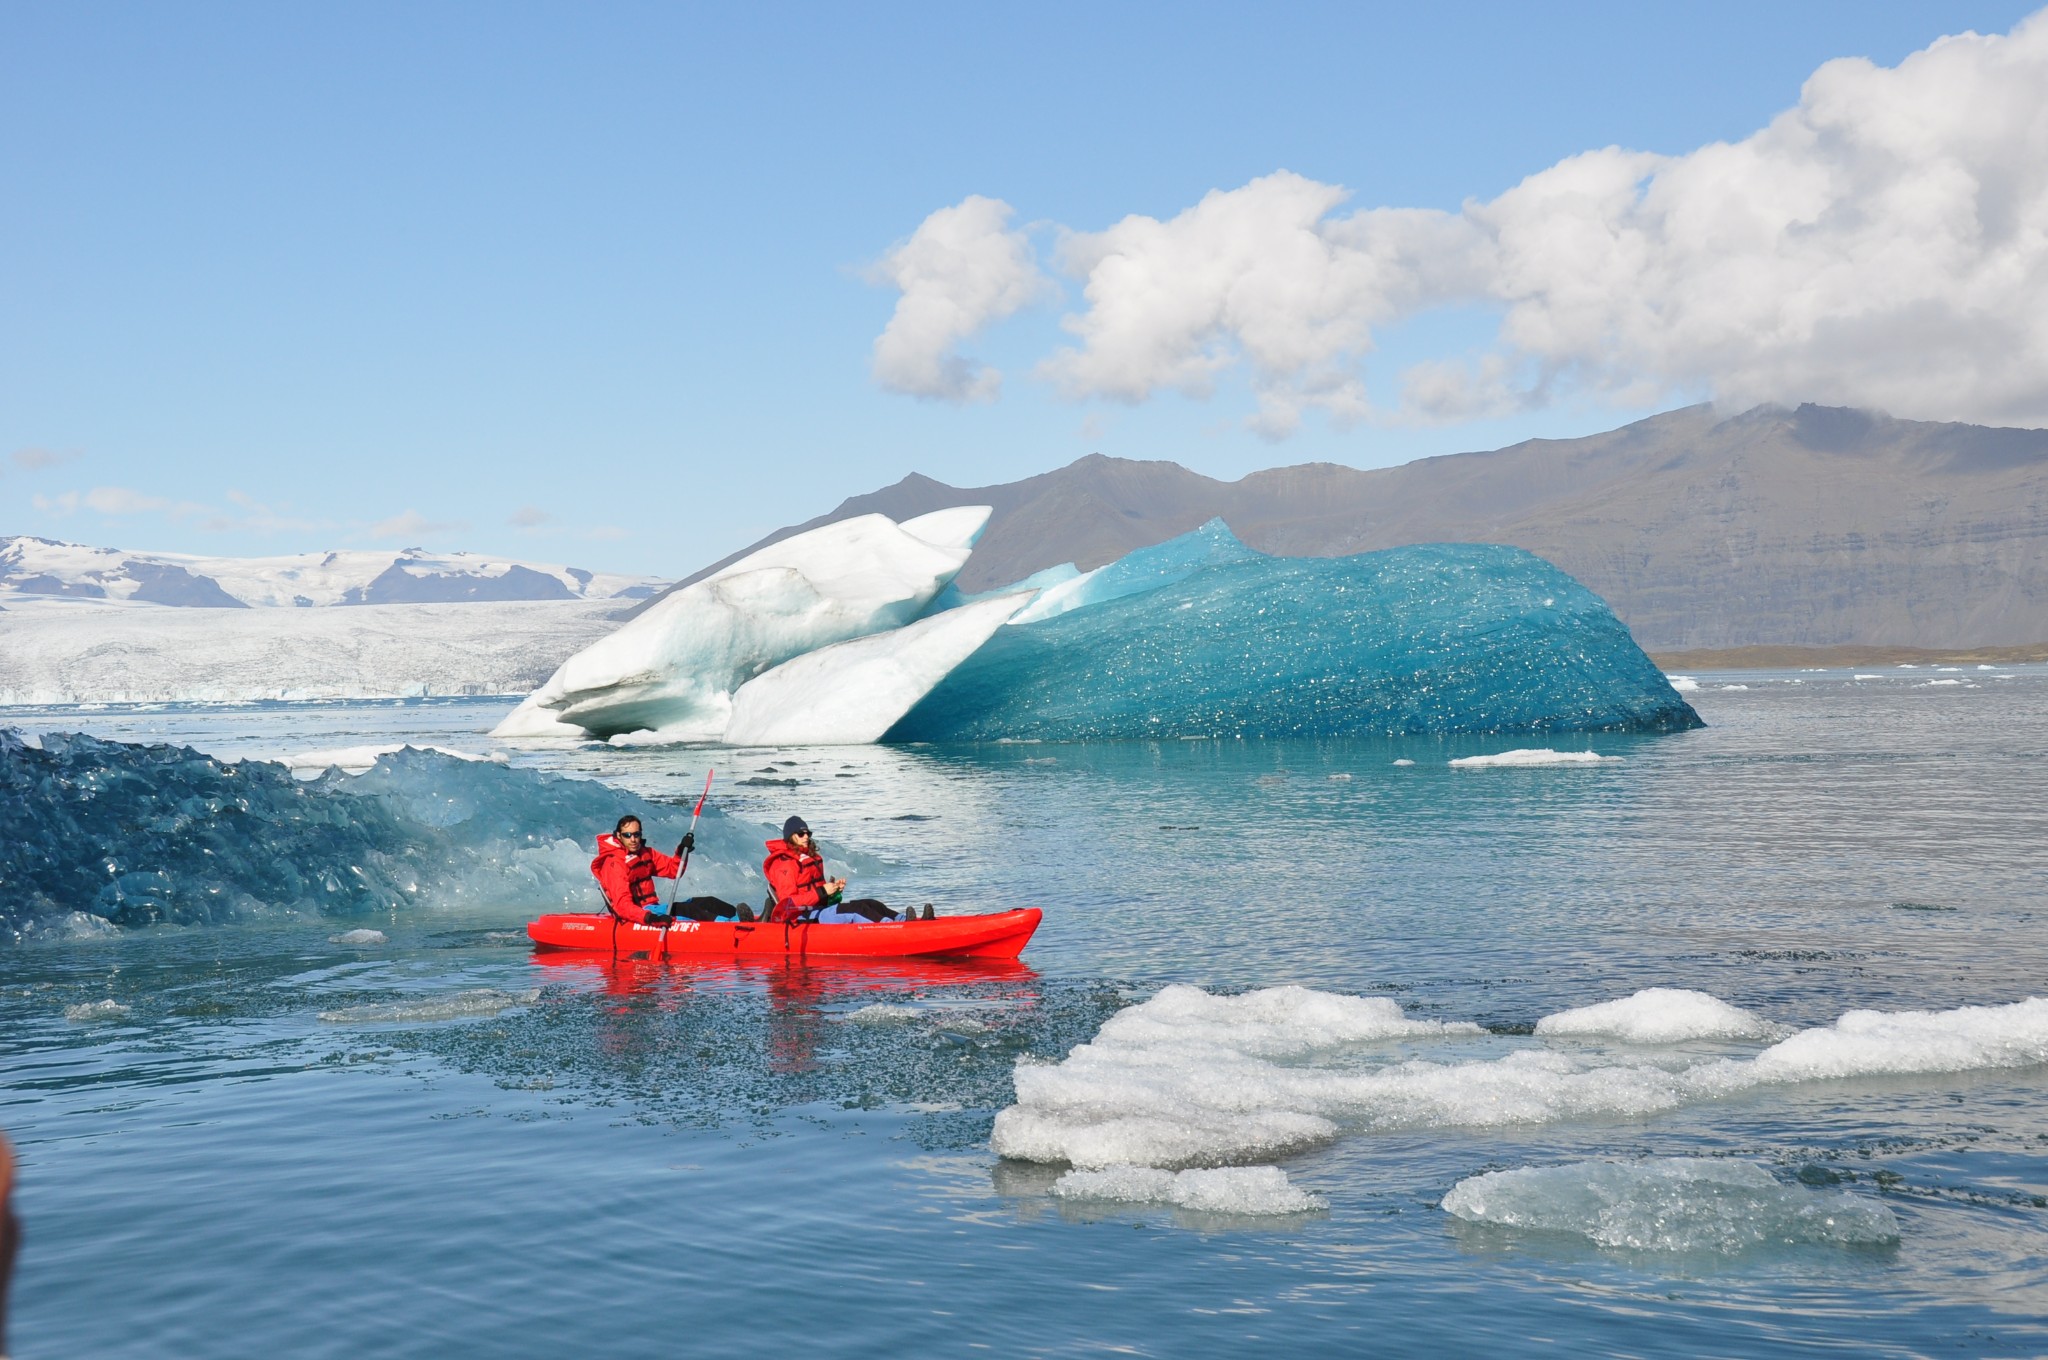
(626, 866)
(796, 877)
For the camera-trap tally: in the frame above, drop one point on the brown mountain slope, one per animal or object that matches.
(1815, 527)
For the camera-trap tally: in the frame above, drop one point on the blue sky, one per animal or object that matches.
(596, 284)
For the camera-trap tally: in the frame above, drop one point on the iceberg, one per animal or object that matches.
(206, 841)
(1201, 636)
(853, 692)
(676, 669)
(1212, 545)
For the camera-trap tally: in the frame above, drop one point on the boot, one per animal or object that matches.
(928, 911)
(746, 912)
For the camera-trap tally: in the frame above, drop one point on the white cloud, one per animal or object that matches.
(529, 517)
(413, 525)
(36, 460)
(63, 503)
(960, 270)
(1883, 243)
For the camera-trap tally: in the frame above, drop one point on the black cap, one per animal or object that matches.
(794, 825)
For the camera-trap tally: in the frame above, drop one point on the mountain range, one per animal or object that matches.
(43, 568)
(1813, 527)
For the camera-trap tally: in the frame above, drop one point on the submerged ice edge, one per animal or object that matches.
(1670, 1204)
(1190, 1080)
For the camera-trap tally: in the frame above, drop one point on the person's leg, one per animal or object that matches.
(870, 908)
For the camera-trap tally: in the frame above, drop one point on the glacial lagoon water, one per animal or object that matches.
(288, 1135)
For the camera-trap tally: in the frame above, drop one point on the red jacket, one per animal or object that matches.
(629, 879)
(797, 878)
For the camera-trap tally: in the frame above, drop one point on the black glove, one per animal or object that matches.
(687, 844)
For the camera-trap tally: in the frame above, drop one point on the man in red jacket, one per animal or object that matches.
(626, 866)
(796, 877)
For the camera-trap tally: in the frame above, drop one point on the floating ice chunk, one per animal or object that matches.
(1221, 1190)
(1676, 1204)
(855, 691)
(1866, 677)
(1404, 761)
(1875, 1043)
(457, 1006)
(1930, 684)
(676, 666)
(883, 1013)
(1731, 687)
(1660, 1015)
(1186, 1079)
(96, 1012)
(1684, 684)
(1541, 755)
(359, 939)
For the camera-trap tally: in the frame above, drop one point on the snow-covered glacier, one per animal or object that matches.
(1201, 636)
(677, 668)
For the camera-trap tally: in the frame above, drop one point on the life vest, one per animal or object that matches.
(796, 877)
(628, 878)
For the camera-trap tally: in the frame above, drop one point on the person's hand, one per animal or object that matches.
(689, 842)
(835, 885)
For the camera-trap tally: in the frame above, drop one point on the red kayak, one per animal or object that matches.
(999, 935)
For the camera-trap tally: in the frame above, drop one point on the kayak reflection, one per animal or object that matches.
(804, 997)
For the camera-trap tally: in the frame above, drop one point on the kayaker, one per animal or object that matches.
(796, 878)
(626, 867)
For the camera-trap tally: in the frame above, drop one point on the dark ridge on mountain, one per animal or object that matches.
(396, 585)
(1812, 527)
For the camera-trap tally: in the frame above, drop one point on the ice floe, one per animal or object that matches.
(1684, 684)
(1670, 1204)
(1541, 755)
(1660, 1015)
(1251, 1190)
(96, 1012)
(360, 939)
(1187, 1079)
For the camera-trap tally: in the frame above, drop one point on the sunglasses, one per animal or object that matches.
(631, 836)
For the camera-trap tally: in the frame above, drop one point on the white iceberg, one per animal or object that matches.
(677, 668)
(853, 692)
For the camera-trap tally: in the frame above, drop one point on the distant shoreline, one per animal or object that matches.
(1794, 658)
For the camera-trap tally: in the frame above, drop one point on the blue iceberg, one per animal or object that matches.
(1201, 636)
(139, 835)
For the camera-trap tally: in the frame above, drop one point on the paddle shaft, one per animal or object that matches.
(685, 848)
